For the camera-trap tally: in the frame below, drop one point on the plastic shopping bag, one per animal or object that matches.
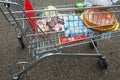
(100, 2)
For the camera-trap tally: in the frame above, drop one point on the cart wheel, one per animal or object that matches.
(21, 42)
(16, 78)
(103, 64)
(7, 5)
(92, 46)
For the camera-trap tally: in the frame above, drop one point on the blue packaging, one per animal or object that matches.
(74, 26)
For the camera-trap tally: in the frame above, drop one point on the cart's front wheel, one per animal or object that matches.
(103, 64)
(16, 78)
(20, 39)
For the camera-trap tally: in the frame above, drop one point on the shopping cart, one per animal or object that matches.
(50, 29)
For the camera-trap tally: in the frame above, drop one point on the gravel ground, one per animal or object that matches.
(59, 67)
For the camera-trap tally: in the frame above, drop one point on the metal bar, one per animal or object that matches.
(64, 9)
(18, 25)
(97, 38)
(27, 25)
(95, 46)
(5, 16)
(40, 29)
(58, 6)
(15, 65)
(8, 2)
(42, 56)
(76, 54)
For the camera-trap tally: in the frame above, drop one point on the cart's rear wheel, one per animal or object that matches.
(20, 39)
(103, 64)
(91, 45)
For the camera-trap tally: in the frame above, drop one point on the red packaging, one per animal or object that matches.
(64, 40)
(43, 27)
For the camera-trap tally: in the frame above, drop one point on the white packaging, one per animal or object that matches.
(100, 2)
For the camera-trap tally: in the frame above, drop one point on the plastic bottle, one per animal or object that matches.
(88, 3)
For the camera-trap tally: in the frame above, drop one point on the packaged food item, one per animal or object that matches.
(71, 21)
(74, 26)
(75, 32)
(42, 25)
(56, 24)
(99, 19)
(66, 40)
(48, 13)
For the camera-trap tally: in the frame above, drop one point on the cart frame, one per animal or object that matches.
(56, 52)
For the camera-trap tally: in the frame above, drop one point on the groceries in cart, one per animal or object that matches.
(43, 27)
(51, 19)
(74, 26)
(66, 40)
(56, 24)
(80, 6)
(70, 24)
(49, 11)
(100, 20)
(100, 2)
(74, 29)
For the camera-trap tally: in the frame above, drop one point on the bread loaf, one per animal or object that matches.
(99, 19)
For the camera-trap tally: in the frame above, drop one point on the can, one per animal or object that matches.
(79, 5)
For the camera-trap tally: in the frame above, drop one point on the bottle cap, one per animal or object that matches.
(79, 5)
